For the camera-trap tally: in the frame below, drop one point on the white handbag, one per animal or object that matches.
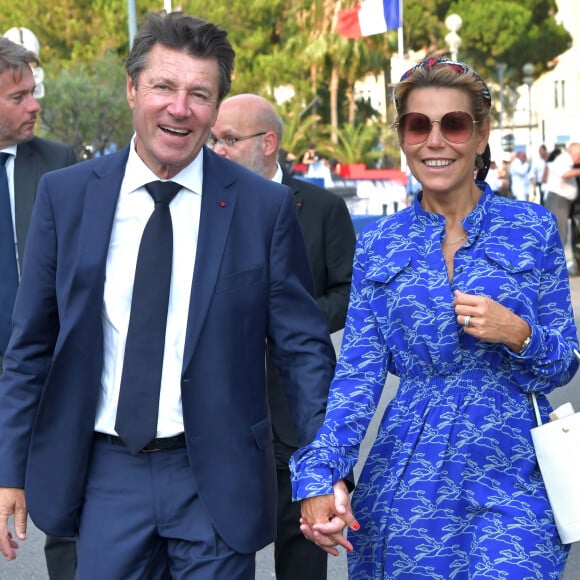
(557, 445)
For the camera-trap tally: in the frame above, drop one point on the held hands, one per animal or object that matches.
(488, 320)
(12, 503)
(324, 518)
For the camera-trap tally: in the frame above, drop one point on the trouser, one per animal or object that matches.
(142, 519)
(61, 557)
(560, 207)
(295, 557)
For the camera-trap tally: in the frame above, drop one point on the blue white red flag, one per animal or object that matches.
(370, 17)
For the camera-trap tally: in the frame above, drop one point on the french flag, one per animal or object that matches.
(371, 17)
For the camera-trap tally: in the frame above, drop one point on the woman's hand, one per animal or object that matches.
(488, 320)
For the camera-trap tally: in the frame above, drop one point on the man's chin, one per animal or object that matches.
(24, 137)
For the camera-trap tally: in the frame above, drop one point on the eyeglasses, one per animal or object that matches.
(230, 141)
(456, 127)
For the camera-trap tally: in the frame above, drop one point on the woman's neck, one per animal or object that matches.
(454, 206)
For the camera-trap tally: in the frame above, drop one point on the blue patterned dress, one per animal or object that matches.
(451, 488)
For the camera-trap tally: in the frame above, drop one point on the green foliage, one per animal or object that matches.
(71, 30)
(356, 144)
(297, 134)
(277, 42)
(86, 104)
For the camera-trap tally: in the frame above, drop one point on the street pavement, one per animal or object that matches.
(30, 565)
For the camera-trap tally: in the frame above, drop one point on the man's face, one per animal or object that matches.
(175, 104)
(18, 107)
(234, 122)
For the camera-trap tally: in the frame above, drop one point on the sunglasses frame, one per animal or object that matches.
(400, 126)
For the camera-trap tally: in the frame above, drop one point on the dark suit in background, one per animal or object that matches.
(249, 131)
(33, 158)
(329, 236)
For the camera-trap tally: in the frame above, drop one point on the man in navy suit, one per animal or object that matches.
(249, 131)
(29, 158)
(199, 499)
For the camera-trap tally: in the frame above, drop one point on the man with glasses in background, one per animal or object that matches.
(249, 131)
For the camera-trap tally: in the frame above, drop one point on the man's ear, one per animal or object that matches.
(269, 143)
(130, 92)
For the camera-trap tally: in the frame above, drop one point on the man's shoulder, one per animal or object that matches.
(227, 172)
(311, 190)
(41, 144)
(45, 155)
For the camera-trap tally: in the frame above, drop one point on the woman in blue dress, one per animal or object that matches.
(464, 296)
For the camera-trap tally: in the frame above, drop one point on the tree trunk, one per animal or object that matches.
(334, 82)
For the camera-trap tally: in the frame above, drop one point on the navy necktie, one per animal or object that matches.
(8, 265)
(138, 408)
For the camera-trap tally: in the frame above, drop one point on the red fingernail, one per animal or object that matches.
(356, 526)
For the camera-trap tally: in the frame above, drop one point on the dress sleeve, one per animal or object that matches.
(549, 362)
(355, 391)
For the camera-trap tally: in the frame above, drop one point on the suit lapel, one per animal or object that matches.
(298, 193)
(26, 177)
(101, 194)
(219, 197)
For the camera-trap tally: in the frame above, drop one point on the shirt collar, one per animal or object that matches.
(137, 174)
(11, 150)
(278, 175)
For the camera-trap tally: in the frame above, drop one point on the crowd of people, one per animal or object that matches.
(550, 179)
(171, 401)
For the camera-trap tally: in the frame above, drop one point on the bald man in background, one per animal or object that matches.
(249, 131)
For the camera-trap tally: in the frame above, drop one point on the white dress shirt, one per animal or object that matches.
(566, 188)
(10, 174)
(134, 208)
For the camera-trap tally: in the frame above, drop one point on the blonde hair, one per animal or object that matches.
(444, 77)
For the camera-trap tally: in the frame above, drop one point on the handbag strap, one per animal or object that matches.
(536, 408)
(535, 402)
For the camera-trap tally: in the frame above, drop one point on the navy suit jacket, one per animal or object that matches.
(34, 158)
(251, 283)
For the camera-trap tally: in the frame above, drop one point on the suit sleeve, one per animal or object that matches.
(31, 345)
(339, 243)
(300, 347)
(71, 157)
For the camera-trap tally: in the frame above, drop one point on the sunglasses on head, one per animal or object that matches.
(456, 127)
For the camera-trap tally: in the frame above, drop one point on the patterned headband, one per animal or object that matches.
(460, 67)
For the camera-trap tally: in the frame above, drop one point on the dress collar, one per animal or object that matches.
(472, 222)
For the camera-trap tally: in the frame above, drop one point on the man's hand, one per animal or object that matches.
(12, 503)
(324, 518)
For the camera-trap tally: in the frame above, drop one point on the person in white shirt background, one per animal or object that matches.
(521, 176)
(562, 187)
(540, 173)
